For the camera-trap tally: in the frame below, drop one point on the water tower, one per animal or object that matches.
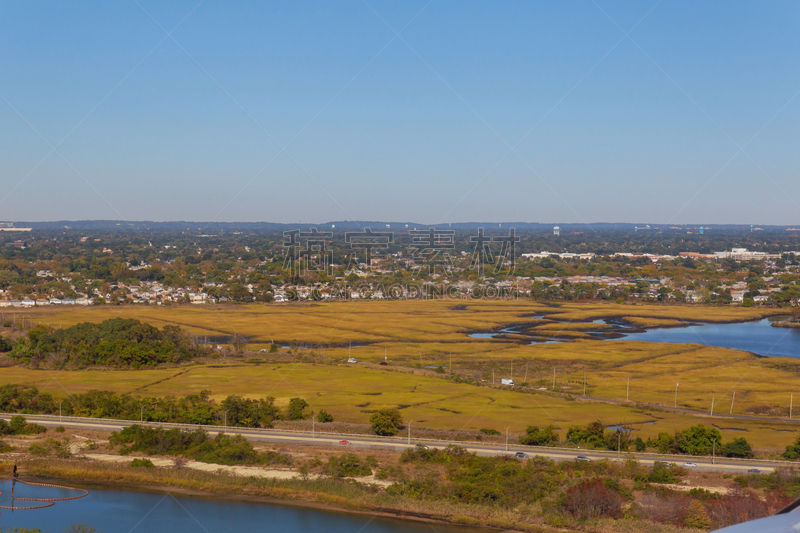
(556, 231)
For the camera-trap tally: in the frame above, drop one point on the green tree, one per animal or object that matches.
(324, 416)
(296, 407)
(539, 437)
(739, 447)
(699, 439)
(386, 422)
(792, 451)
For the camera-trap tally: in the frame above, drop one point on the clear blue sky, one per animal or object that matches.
(478, 111)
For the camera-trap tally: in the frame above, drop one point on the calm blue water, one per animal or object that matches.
(757, 337)
(125, 511)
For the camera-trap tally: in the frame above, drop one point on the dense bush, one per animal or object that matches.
(592, 499)
(5, 345)
(19, 426)
(595, 435)
(386, 422)
(349, 465)
(739, 447)
(467, 478)
(250, 413)
(196, 444)
(792, 451)
(116, 342)
(144, 463)
(324, 417)
(296, 408)
(191, 409)
(539, 437)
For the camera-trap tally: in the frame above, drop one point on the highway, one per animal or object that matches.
(401, 443)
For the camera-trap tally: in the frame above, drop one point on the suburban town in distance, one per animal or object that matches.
(399, 267)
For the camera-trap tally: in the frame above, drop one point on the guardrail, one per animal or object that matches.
(611, 454)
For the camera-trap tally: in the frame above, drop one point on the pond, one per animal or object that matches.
(156, 512)
(758, 337)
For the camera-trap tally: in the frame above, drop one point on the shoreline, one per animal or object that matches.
(267, 500)
(294, 497)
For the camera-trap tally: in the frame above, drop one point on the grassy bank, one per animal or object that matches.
(325, 493)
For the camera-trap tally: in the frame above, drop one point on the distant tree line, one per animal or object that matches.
(117, 342)
(198, 409)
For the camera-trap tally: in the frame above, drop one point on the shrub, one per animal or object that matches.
(592, 499)
(739, 447)
(662, 473)
(792, 451)
(536, 437)
(19, 426)
(698, 440)
(696, 516)
(60, 429)
(348, 465)
(736, 507)
(296, 407)
(386, 422)
(592, 436)
(5, 447)
(490, 431)
(36, 449)
(142, 463)
(324, 416)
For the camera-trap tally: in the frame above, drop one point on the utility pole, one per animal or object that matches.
(712, 405)
(584, 383)
(732, 400)
(225, 419)
(512, 370)
(312, 426)
(713, 450)
(451, 362)
(554, 379)
(791, 398)
(141, 414)
(628, 390)
(676, 395)
(507, 438)
(409, 432)
(62, 401)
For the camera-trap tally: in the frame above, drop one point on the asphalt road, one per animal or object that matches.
(400, 443)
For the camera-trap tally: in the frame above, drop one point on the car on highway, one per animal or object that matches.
(422, 447)
(344, 442)
(689, 465)
(755, 471)
(521, 455)
(582, 459)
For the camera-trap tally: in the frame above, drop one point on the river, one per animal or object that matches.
(130, 511)
(758, 337)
